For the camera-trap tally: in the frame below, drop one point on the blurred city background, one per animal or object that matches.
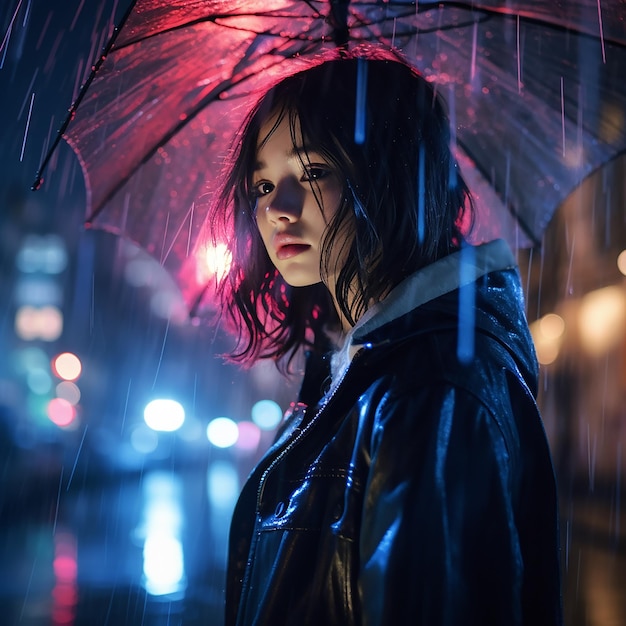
(125, 438)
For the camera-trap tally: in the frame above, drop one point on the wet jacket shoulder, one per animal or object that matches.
(419, 489)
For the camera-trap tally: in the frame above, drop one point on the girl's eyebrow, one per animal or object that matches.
(296, 151)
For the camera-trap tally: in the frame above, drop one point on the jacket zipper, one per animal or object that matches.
(304, 431)
(280, 456)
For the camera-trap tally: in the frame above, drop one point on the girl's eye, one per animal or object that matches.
(315, 172)
(262, 189)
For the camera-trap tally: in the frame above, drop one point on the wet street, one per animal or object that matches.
(149, 549)
(140, 549)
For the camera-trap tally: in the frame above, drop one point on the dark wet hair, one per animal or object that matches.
(402, 187)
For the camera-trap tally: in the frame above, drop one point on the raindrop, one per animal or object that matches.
(361, 98)
(421, 190)
(30, 111)
(601, 31)
(7, 36)
(467, 301)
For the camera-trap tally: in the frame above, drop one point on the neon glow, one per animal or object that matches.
(213, 261)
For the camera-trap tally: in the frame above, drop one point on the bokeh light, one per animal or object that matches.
(38, 292)
(45, 323)
(222, 484)
(68, 391)
(164, 415)
(213, 262)
(61, 412)
(222, 432)
(143, 439)
(621, 262)
(267, 414)
(249, 436)
(67, 366)
(30, 357)
(552, 325)
(45, 254)
(548, 332)
(602, 319)
(39, 381)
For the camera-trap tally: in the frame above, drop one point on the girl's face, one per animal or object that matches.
(297, 194)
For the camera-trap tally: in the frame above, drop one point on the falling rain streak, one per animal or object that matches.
(519, 56)
(4, 46)
(601, 32)
(30, 110)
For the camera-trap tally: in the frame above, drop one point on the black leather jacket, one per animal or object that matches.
(418, 490)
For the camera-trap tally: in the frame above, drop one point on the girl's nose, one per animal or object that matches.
(285, 203)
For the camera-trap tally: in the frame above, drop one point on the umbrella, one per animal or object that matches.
(535, 90)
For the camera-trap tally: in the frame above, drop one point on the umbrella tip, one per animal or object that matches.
(38, 183)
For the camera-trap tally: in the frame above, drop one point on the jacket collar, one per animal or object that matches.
(443, 276)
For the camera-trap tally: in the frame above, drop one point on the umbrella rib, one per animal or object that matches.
(83, 91)
(213, 95)
(363, 23)
(478, 10)
(109, 47)
(528, 231)
(216, 18)
(527, 16)
(220, 20)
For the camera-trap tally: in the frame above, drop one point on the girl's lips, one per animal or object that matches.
(290, 250)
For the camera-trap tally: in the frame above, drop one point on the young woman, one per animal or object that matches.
(411, 483)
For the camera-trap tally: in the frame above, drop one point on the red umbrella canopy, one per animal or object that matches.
(535, 91)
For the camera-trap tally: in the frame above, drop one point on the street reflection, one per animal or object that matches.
(150, 549)
(161, 529)
(223, 489)
(65, 591)
(137, 549)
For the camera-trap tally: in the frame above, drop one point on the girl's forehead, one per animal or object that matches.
(278, 146)
(281, 122)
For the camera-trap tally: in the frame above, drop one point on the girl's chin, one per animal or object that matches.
(293, 281)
